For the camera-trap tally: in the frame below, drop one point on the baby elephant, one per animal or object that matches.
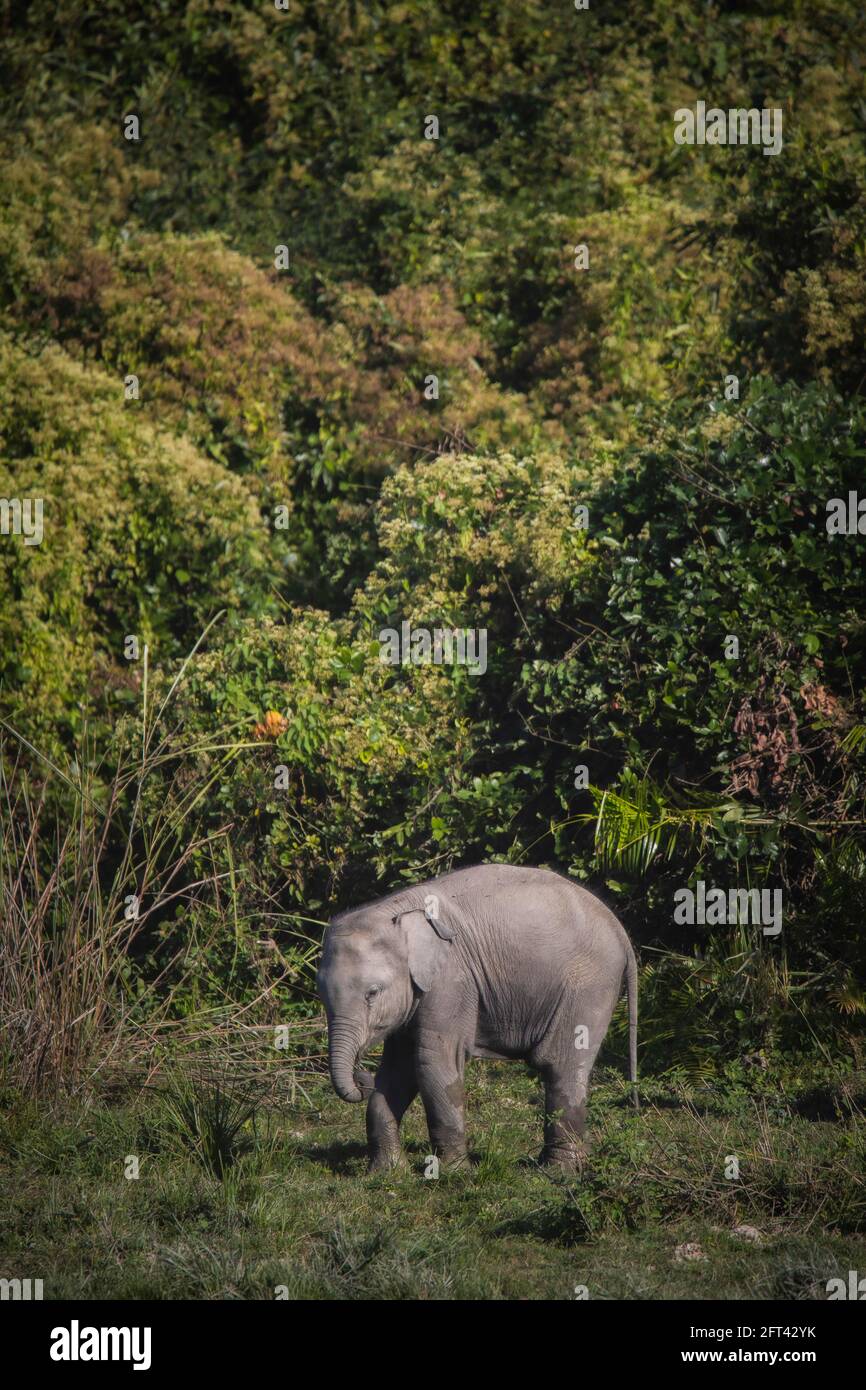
(493, 961)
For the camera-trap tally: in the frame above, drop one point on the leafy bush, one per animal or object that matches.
(143, 534)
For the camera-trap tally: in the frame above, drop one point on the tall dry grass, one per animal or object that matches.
(78, 891)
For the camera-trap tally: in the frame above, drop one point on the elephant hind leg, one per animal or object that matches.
(565, 1062)
(564, 1119)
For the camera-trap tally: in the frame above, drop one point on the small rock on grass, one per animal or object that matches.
(747, 1233)
(689, 1250)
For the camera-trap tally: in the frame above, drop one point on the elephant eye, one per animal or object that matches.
(371, 992)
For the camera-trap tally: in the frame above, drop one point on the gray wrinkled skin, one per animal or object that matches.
(505, 962)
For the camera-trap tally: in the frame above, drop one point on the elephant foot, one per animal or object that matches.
(571, 1158)
(386, 1161)
(452, 1159)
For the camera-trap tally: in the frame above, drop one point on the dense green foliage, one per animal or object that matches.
(283, 477)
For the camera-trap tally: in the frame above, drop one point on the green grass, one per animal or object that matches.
(295, 1207)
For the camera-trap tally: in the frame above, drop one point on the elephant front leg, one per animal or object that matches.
(440, 1064)
(395, 1089)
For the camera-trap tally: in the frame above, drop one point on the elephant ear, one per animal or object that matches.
(428, 938)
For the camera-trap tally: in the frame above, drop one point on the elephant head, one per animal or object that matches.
(375, 963)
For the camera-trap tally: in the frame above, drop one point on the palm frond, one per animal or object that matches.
(855, 740)
(642, 822)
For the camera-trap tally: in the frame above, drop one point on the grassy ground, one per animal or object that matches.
(653, 1216)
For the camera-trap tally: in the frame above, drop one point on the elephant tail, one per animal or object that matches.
(631, 982)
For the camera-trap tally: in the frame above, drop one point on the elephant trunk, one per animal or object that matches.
(344, 1047)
